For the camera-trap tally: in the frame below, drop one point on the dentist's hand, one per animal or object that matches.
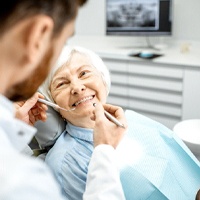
(31, 110)
(105, 131)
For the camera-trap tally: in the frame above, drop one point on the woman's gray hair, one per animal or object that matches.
(64, 57)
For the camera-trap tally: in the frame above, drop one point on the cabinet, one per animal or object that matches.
(167, 93)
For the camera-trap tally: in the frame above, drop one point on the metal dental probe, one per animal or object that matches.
(54, 105)
(111, 118)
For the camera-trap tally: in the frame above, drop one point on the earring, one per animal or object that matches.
(63, 118)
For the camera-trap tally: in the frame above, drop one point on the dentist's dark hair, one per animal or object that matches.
(61, 11)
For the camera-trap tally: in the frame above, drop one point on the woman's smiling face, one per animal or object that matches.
(78, 84)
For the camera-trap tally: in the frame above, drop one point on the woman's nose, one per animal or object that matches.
(77, 88)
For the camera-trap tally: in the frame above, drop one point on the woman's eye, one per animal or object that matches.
(83, 73)
(60, 84)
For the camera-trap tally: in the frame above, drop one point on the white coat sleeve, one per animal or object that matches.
(103, 180)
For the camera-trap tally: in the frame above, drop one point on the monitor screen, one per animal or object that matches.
(139, 17)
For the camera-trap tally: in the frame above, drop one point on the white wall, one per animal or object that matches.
(186, 22)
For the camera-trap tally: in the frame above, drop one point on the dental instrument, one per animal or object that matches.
(111, 118)
(54, 105)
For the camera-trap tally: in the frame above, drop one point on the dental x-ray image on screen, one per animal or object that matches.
(135, 17)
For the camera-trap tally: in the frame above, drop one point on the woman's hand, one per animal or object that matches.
(105, 131)
(31, 110)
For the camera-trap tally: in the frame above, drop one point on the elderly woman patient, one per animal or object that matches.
(154, 163)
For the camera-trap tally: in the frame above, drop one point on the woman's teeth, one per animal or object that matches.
(83, 100)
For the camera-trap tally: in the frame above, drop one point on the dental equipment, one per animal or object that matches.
(111, 118)
(54, 105)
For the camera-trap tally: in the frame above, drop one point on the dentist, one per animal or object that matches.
(32, 34)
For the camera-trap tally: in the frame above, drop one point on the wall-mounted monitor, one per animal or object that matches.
(139, 17)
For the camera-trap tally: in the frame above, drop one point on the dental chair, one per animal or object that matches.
(47, 133)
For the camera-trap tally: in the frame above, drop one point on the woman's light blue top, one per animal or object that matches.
(69, 159)
(154, 163)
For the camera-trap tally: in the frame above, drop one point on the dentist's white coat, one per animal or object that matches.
(23, 177)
